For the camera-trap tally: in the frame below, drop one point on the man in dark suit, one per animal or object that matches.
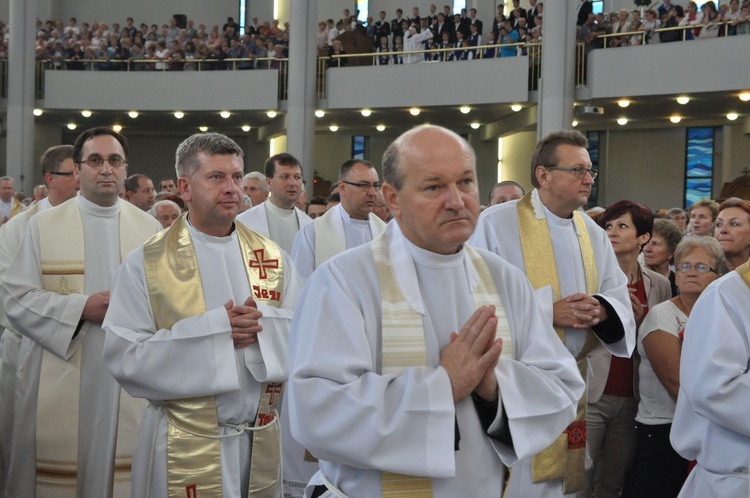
(584, 9)
(382, 27)
(531, 13)
(396, 28)
(474, 21)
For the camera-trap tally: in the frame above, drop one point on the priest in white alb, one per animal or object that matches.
(74, 428)
(421, 365)
(198, 325)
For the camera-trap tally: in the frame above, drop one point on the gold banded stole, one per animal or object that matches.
(565, 459)
(403, 341)
(63, 263)
(176, 292)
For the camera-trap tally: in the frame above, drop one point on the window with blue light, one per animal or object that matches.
(243, 16)
(594, 146)
(358, 147)
(363, 10)
(699, 164)
(458, 5)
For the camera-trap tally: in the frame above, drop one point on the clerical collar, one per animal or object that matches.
(433, 259)
(270, 206)
(542, 212)
(205, 239)
(97, 210)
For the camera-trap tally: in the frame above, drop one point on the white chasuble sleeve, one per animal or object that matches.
(48, 318)
(303, 251)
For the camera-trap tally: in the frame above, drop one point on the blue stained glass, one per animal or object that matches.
(696, 189)
(700, 152)
(358, 147)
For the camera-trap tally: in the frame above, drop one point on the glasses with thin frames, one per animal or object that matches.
(699, 267)
(96, 162)
(578, 172)
(364, 185)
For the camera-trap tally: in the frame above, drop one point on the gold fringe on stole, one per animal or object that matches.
(176, 292)
(403, 343)
(744, 272)
(565, 459)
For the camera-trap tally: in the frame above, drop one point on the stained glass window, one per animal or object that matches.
(699, 164)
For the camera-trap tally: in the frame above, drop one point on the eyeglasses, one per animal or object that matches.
(699, 267)
(578, 172)
(115, 162)
(61, 173)
(364, 185)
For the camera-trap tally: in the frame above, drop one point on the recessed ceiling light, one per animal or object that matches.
(320, 113)
(683, 100)
(72, 126)
(623, 103)
(414, 111)
(380, 127)
(271, 114)
(622, 121)
(745, 96)
(516, 107)
(37, 112)
(117, 128)
(366, 112)
(732, 116)
(204, 129)
(179, 114)
(333, 128)
(675, 119)
(574, 123)
(133, 114)
(225, 114)
(465, 109)
(86, 114)
(245, 128)
(475, 126)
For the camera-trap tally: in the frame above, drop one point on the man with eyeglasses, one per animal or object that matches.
(278, 218)
(349, 224)
(61, 179)
(72, 421)
(571, 264)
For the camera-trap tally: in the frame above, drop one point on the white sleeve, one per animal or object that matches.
(303, 251)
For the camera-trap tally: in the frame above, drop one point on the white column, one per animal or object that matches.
(20, 122)
(302, 101)
(557, 85)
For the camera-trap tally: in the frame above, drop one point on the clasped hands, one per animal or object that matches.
(578, 311)
(244, 320)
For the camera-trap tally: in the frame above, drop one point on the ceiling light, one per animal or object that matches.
(225, 114)
(37, 112)
(475, 126)
(623, 103)
(745, 96)
(516, 107)
(575, 123)
(732, 116)
(86, 114)
(203, 129)
(465, 109)
(333, 128)
(245, 128)
(675, 119)
(683, 100)
(380, 127)
(179, 114)
(622, 121)
(72, 126)
(366, 112)
(133, 114)
(271, 114)
(414, 111)
(117, 128)
(320, 113)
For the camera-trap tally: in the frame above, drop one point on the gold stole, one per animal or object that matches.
(176, 292)
(62, 261)
(403, 342)
(565, 459)
(329, 242)
(15, 208)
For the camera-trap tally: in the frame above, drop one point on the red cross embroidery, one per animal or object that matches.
(273, 389)
(261, 263)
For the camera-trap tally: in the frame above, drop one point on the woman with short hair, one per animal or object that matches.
(659, 251)
(732, 230)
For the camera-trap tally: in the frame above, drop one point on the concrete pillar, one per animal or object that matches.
(302, 101)
(557, 85)
(20, 122)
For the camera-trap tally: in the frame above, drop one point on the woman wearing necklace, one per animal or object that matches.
(660, 471)
(610, 423)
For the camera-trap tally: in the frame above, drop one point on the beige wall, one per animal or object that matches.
(517, 150)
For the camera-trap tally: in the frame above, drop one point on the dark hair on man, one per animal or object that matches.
(333, 198)
(186, 156)
(131, 183)
(54, 157)
(282, 159)
(318, 200)
(349, 164)
(545, 152)
(507, 183)
(92, 133)
(643, 218)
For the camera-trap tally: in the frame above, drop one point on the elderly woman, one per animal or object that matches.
(659, 469)
(732, 230)
(609, 421)
(678, 217)
(659, 251)
(702, 215)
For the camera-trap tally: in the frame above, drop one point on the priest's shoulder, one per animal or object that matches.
(136, 212)
(499, 265)
(499, 211)
(246, 216)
